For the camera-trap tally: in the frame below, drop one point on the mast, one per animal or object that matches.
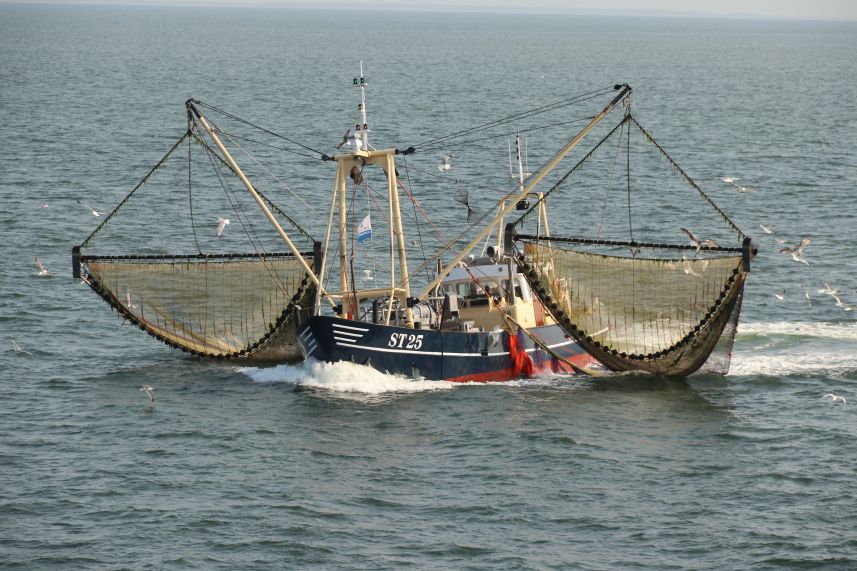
(532, 181)
(360, 156)
(500, 224)
(254, 194)
(341, 191)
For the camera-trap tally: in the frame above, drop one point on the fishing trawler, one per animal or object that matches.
(531, 304)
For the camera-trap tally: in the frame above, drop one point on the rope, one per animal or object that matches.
(551, 352)
(267, 200)
(190, 194)
(629, 243)
(686, 177)
(539, 128)
(522, 115)
(140, 184)
(269, 173)
(248, 123)
(579, 164)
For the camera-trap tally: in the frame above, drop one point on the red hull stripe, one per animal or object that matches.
(507, 374)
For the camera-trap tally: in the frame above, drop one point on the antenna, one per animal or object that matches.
(518, 158)
(364, 132)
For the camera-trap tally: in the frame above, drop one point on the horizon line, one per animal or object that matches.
(399, 8)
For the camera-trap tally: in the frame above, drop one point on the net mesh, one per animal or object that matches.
(214, 305)
(664, 315)
(199, 268)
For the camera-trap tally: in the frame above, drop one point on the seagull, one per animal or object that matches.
(128, 303)
(828, 290)
(834, 398)
(780, 296)
(17, 348)
(444, 164)
(700, 243)
(95, 212)
(222, 223)
(797, 251)
(149, 390)
(42, 270)
(688, 269)
(367, 275)
(345, 138)
(44, 205)
(839, 303)
(738, 187)
(767, 229)
(806, 294)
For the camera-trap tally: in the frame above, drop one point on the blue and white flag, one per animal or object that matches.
(364, 229)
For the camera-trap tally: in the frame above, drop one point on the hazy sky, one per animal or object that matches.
(802, 9)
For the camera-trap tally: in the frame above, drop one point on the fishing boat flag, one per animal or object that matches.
(364, 229)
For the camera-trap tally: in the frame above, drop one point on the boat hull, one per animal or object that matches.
(439, 355)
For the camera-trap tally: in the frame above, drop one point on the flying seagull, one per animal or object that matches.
(738, 187)
(149, 390)
(834, 398)
(94, 212)
(780, 296)
(797, 251)
(828, 289)
(696, 241)
(767, 229)
(42, 270)
(445, 163)
(839, 303)
(222, 223)
(17, 348)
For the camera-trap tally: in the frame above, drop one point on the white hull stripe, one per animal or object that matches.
(435, 353)
(352, 343)
(337, 325)
(347, 333)
(345, 340)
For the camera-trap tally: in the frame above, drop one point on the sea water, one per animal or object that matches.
(335, 466)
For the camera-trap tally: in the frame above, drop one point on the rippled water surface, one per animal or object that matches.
(334, 466)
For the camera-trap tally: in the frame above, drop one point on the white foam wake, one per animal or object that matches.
(795, 348)
(842, 331)
(342, 377)
(791, 364)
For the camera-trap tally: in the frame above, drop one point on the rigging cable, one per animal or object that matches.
(538, 128)
(522, 115)
(240, 120)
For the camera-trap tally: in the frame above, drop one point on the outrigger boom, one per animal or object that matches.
(531, 182)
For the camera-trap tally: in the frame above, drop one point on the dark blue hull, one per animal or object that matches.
(439, 355)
